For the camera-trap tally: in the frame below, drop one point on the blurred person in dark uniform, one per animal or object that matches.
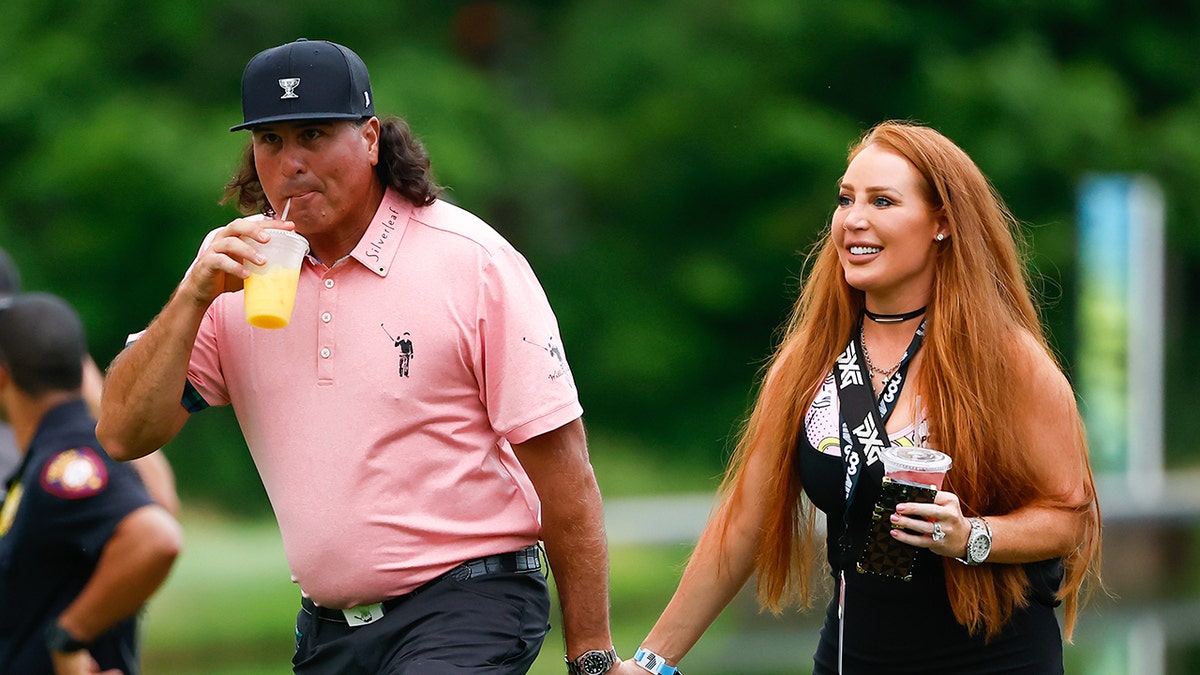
(154, 469)
(10, 283)
(82, 544)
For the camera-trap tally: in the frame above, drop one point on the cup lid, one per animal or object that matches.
(294, 237)
(904, 458)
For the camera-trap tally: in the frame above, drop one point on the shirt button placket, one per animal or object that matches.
(325, 331)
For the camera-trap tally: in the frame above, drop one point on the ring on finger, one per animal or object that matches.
(938, 534)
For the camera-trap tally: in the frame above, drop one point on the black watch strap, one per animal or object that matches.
(58, 640)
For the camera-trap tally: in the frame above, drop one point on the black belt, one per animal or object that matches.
(524, 560)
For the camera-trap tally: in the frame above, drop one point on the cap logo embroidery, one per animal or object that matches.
(289, 85)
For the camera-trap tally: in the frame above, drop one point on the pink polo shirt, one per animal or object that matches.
(381, 418)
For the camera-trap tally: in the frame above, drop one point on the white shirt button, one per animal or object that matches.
(329, 283)
(325, 352)
(326, 317)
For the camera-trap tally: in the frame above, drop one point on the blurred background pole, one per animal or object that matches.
(1120, 372)
(1120, 359)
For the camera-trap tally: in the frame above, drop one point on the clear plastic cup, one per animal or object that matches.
(925, 466)
(270, 290)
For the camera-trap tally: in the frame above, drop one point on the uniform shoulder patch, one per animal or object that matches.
(75, 474)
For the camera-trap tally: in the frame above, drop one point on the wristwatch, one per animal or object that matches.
(979, 542)
(653, 663)
(59, 641)
(594, 662)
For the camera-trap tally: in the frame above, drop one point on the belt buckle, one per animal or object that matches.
(461, 573)
(363, 615)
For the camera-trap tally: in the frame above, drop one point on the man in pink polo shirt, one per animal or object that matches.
(416, 425)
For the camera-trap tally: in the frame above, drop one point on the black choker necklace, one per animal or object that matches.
(894, 318)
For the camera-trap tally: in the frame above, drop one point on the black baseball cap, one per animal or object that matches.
(305, 80)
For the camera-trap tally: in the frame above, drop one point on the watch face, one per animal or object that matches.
(980, 546)
(595, 663)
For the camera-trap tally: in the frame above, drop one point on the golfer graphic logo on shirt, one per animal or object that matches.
(404, 342)
(553, 350)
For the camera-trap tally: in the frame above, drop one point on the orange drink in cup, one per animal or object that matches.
(924, 466)
(270, 290)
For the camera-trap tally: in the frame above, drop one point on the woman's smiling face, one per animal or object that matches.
(885, 230)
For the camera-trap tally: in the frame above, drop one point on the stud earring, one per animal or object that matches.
(941, 236)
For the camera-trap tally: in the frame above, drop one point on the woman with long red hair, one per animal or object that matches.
(917, 295)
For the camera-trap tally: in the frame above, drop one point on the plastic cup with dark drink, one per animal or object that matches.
(924, 466)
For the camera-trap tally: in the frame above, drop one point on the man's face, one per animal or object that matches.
(326, 169)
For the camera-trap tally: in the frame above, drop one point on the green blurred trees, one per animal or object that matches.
(663, 165)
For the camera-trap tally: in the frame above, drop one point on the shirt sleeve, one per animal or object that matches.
(527, 383)
(205, 380)
(192, 400)
(85, 495)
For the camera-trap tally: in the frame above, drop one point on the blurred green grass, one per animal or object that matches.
(228, 605)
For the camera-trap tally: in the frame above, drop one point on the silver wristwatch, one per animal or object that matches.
(979, 542)
(594, 662)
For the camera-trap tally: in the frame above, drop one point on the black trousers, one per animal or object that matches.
(488, 625)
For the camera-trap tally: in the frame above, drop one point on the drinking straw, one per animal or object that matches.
(286, 205)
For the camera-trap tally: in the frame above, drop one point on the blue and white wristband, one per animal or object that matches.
(653, 663)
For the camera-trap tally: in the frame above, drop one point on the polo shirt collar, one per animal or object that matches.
(377, 248)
